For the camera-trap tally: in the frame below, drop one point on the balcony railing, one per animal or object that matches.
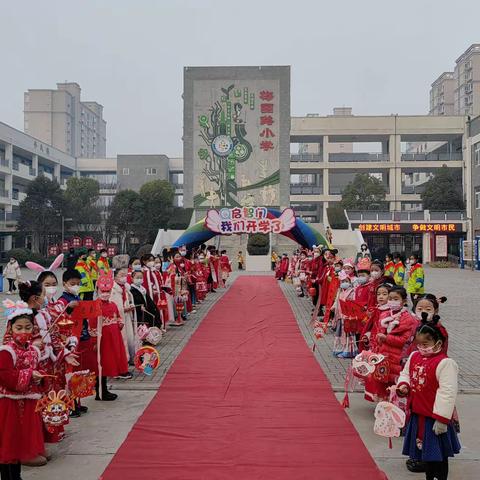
(309, 207)
(4, 162)
(4, 193)
(413, 189)
(359, 157)
(431, 157)
(306, 157)
(305, 190)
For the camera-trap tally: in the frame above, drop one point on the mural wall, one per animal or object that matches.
(236, 135)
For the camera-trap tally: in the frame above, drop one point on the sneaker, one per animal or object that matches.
(83, 409)
(75, 413)
(125, 376)
(8, 293)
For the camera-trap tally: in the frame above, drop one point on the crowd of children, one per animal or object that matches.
(136, 303)
(399, 349)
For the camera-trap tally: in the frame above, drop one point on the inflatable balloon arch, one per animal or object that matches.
(237, 220)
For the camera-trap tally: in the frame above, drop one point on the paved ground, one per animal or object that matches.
(461, 317)
(93, 439)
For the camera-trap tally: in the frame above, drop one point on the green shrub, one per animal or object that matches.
(336, 217)
(258, 244)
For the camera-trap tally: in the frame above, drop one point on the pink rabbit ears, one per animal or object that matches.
(38, 268)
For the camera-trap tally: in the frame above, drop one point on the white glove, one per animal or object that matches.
(439, 428)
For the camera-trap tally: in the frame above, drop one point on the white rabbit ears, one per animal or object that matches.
(38, 268)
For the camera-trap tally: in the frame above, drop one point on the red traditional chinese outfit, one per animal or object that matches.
(21, 436)
(113, 357)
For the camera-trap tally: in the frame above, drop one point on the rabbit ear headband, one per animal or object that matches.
(38, 268)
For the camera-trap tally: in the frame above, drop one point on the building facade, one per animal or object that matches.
(236, 136)
(59, 118)
(135, 170)
(474, 150)
(467, 76)
(22, 159)
(442, 95)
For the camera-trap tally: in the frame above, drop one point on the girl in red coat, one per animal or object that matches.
(395, 335)
(225, 267)
(111, 353)
(21, 435)
(430, 381)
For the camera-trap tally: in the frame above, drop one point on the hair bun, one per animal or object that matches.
(442, 299)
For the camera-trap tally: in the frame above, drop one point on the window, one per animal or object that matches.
(476, 153)
(477, 198)
(151, 171)
(126, 171)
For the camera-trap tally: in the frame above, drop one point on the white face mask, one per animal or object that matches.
(105, 296)
(137, 268)
(158, 266)
(104, 255)
(316, 255)
(121, 280)
(151, 264)
(375, 275)
(395, 304)
(138, 281)
(74, 289)
(361, 280)
(50, 292)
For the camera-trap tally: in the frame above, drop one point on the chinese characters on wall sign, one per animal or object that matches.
(409, 227)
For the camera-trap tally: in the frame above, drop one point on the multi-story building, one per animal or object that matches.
(474, 149)
(135, 170)
(467, 77)
(59, 118)
(442, 94)
(22, 159)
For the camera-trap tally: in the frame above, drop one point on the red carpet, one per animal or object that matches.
(245, 399)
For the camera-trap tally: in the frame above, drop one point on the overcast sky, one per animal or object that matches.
(377, 56)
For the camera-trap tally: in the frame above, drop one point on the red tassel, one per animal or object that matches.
(390, 446)
(346, 401)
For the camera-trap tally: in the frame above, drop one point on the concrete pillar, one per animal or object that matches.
(426, 250)
(56, 172)
(8, 242)
(9, 185)
(35, 164)
(9, 154)
(326, 149)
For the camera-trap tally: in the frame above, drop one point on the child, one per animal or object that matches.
(147, 311)
(21, 436)
(395, 335)
(86, 286)
(398, 270)
(344, 345)
(123, 299)
(153, 282)
(110, 349)
(225, 267)
(103, 264)
(430, 380)
(240, 260)
(416, 278)
(370, 330)
(389, 265)
(87, 359)
(426, 309)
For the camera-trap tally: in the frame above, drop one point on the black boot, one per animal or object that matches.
(415, 466)
(106, 395)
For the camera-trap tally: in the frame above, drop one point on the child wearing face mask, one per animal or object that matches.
(344, 345)
(153, 282)
(68, 300)
(430, 380)
(416, 278)
(123, 299)
(21, 436)
(134, 265)
(103, 264)
(54, 354)
(146, 310)
(395, 334)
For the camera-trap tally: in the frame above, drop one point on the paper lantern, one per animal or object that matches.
(146, 360)
(54, 409)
